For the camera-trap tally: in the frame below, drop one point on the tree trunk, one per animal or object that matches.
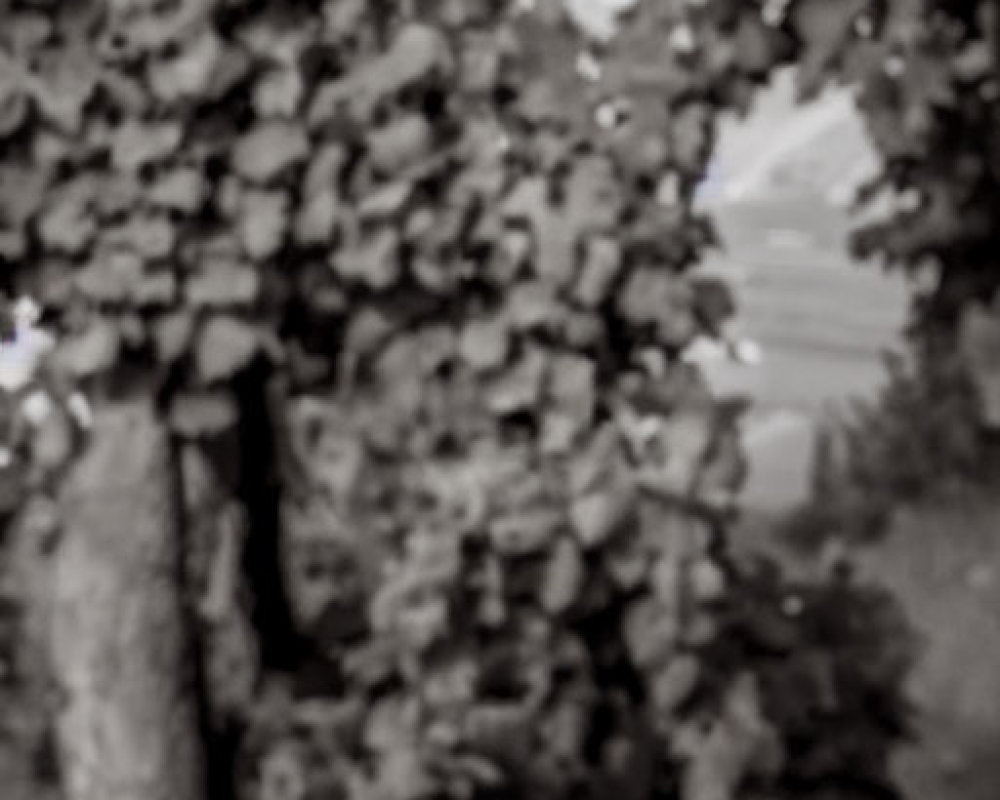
(128, 727)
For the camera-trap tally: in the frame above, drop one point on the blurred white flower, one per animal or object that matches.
(775, 11)
(895, 66)
(747, 351)
(26, 312)
(588, 67)
(606, 115)
(80, 409)
(864, 26)
(682, 39)
(22, 354)
(36, 407)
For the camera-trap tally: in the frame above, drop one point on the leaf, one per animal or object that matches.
(400, 144)
(559, 432)
(68, 224)
(53, 442)
(824, 29)
(225, 346)
(674, 683)
(282, 774)
(119, 194)
(156, 289)
(25, 31)
(599, 515)
(263, 221)
(707, 581)
(317, 218)
(151, 28)
(485, 342)
(12, 487)
(530, 304)
(269, 149)
(573, 384)
(422, 622)
(525, 199)
(190, 72)
(691, 138)
(583, 330)
(324, 168)
(592, 205)
(598, 18)
(733, 746)
(402, 775)
(278, 93)
(480, 63)
(172, 335)
(602, 263)
(564, 577)
(656, 299)
(63, 81)
(368, 329)
(150, 236)
(564, 729)
(181, 189)
(525, 530)
(13, 112)
(223, 286)
(755, 44)
(437, 345)
(651, 633)
(92, 352)
(136, 144)
(594, 198)
(373, 260)
(596, 462)
(23, 192)
(110, 277)
(519, 388)
(203, 414)
(501, 730)
(416, 52)
(679, 447)
(713, 301)
(386, 201)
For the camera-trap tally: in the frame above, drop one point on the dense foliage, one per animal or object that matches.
(463, 270)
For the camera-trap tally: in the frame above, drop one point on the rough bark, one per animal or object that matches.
(128, 727)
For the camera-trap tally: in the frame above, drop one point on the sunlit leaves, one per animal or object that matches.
(224, 346)
(269, 149)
